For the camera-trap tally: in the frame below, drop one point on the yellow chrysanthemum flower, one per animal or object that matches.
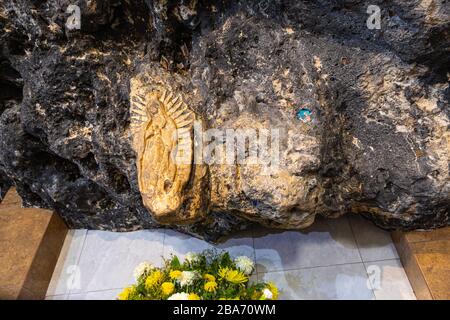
(167, 288)
(193, 296)
(153, 279)
(270, 292)
(210, 286)
(125, 294)
(223, 272)
(255, 295)
(175, 274)
(271, 286)
(236, 276)
(209, 277)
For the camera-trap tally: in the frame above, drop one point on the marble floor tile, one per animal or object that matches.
(347, 281)
(374, 243)
(327, 242)
(389, 281)
(96, 295)
(321, 262)
(241, 244)
(57, 297)
(67, 262)
(179, 244)
(109, 258)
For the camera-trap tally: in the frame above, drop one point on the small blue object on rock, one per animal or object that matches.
(304, 115)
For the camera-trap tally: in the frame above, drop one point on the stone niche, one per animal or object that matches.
(209, 116)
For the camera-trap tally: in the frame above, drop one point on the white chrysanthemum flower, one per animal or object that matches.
(142, 268)
(187, 278)
(267, 294)
(191, 257)
(179, 296)
(245, 264)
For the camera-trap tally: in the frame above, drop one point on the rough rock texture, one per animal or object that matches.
(378, 143)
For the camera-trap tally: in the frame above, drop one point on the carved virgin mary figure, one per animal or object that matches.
(161, 125)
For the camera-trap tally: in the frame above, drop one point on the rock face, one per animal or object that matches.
(292, 109)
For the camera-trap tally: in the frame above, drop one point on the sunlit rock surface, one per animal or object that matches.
(376, 140)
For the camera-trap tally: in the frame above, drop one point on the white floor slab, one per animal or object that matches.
(179, 244)
(66, 267)
(327, 242)
(96, 295)
(374, 243)
(389, 281)
(57, 297)
(348, 281)
(93, 295)
(322, 262)
(108, 258)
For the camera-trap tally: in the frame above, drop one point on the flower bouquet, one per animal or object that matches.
(209, 275)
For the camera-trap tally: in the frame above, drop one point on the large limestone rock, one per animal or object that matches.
(90, 117)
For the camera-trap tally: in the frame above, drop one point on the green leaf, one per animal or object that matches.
(175, 263)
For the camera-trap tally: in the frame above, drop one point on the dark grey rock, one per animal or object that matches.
(5, 184)
(379, 143)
